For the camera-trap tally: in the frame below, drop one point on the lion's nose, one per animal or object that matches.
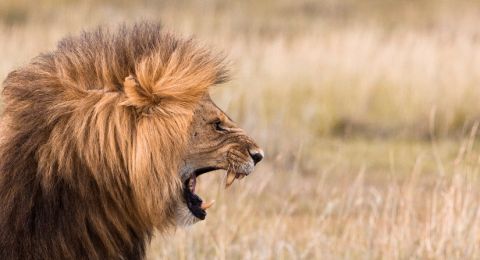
(256, 154)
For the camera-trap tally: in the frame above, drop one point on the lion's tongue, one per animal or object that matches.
(192, 183)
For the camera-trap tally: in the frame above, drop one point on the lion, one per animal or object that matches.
(102, 141)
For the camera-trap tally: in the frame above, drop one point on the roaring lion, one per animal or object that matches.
(102, 140)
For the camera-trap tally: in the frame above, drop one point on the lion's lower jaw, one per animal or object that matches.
(183, 216)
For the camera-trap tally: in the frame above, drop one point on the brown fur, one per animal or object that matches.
(89, 160)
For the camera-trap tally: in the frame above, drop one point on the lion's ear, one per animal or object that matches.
(136, 95)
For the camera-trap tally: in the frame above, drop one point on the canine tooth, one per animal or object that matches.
(205, 206)
(230, 178)
(240, 176)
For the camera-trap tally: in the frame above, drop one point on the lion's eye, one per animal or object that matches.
(218, 126)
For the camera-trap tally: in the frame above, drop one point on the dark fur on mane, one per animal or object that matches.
(69, 188)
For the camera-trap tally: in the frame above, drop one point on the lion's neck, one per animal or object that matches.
(62, 221)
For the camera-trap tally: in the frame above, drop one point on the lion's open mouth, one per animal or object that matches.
(194, 203)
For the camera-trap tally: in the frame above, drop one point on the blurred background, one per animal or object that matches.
(367, 110)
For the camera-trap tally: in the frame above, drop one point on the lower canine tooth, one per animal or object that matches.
(205, 206)
(230, 178)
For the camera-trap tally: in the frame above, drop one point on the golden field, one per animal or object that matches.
(368, 112)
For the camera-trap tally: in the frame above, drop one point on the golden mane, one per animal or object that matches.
(78, 177)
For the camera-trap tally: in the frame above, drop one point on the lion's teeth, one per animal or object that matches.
(230, 178)
(205, 206)
(240, 176)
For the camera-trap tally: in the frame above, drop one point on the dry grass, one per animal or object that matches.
(367, 110)
(280, 214)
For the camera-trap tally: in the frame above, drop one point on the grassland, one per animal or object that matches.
(367, 110)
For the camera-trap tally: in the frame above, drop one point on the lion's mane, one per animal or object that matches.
(89, 165)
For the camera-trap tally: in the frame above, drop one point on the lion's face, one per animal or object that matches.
(215, 143)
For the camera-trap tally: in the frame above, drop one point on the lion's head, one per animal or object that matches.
(216, 142)
(103, 139)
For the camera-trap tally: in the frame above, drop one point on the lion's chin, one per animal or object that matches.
(184, 217)
(194, 208)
